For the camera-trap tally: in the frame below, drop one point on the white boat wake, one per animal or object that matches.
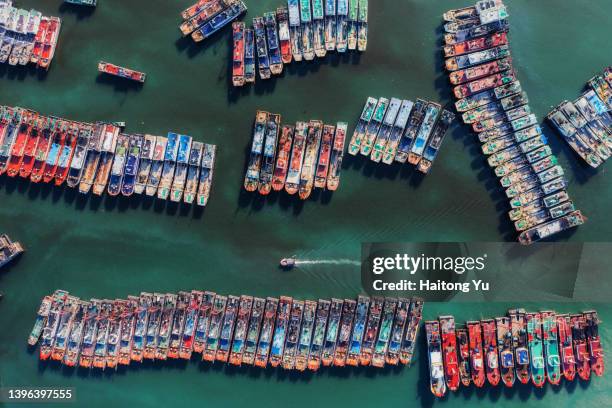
(300, 262)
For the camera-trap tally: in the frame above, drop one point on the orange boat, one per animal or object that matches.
(568, 361)
(51, 37)
(476, 356)
(63, 163)
(594, 341)
(284, 36)
(195, 9)
(38, 40)
(19, 145)
(42, 151)
(122, 72)
(449, 350)
(238, 58)
(282, 160)
(579, 338)
(491, 352)
(477, 44)
(36, 138)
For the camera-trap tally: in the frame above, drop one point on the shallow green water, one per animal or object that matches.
(111, 248)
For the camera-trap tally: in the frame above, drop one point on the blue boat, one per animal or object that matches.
(276, 61)
(182, 164)
(193, 173)
(361, 316)
(118, 167)
(269, 154)
(415, 120)
(431, 115)
(131, 165)
(169, 165)
(206, 174)
(330, 25)
(431, 151)
(262, 48)
(249, 55)
(219, 21)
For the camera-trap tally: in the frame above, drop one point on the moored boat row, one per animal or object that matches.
(243, 330)
(296, 159)
(401, 131)
(97, 157)
(524, 347)
(492, 102)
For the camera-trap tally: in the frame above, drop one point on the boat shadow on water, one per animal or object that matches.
(185, 44)
(20, 73)
(379, 171)
(118, 83)
(81, 12)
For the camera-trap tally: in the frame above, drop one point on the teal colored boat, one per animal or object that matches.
(534, 335)
(551, 347)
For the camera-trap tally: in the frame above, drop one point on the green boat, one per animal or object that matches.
(534, 334)
(307, 32)
(360, 129)
(342, 25)
(353, 16)
(362, 24)
(551, 347)
(384, 334)
(318, 17)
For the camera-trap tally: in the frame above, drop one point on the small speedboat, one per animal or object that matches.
(287, 263)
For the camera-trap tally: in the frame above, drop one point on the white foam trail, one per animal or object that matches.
(327, 262)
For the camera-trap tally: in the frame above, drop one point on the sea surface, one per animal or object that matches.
(108, 248)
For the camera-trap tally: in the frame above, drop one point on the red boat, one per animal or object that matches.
(57, 146)
(51, 37)
(464, 356)
(580, 346)
(195, 9)
(480, 71)
(322, 168)
(238, 58)
(595, 349)
(520, 344)
(504, 344)
(116, 70)
(476, 357)
(42, 150)
(449, 350)
(490, 350)
(282, 160)
(19, 145)
(568, 361)
(39, 39)
(477, 44)
(284, 37)
(490, 82)
(63, 163)
(30, 148)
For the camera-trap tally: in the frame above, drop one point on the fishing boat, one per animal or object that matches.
(73, 347)
(437, 381)
(238, 60)
(305, 336)
(310, 349)
(318, 17)
(38, 40)
(476, 58)
(263, 60)
(12, 162)
(154, 312)
(249, 56)
(313, 142)
(241, 330)
(141, 316)
(331, 337)
(362, 24)
(342, 25)
(449, 352)
(157, 165)
(199, 16)
(78, 158)
(107, 152)
(41, 320)
(121, 72)
(267, 330)
(374, 126)
(166, 325)
(182, 165)
(534, 333)
(36, 137)
(397, 332)
(307, 41)
(232, 12)
(569, 133)
(284, 36)
(128, 323)
(520, 344)
(488, 111)
(131, 165)
(92, 159)
(420, 141)
(504, 344)
(595, 350)
(602, 88)
(229, 320)
(475, 32)
(460, 14)
(65, 156)
(167, 175)
(114, 334)
(371, 332)
(337, 154)
(101, 345)
(193, 172)
(412, 330)
(477, 364)
(295, 31)
(276, 59)
(214, 329)
(203, 322)
(252, 337)
(552, 359)
(463, 354)
(50, 42)
(568, 361)
(330, 25)
(579, 337)
(545, 230)
(66, 318)
(195, 8)
(437, 137)
(352, 30)
(206, 174)
(293, 335)
(269, 154)
(322, 169)
(118, 167)
(359, 327)
(360, 129)
(50, 166)
(477, 44)
(486, 97)
(178, 324)
(478, 72)
(490, 350)
(414, 122)
(13, 129)
(384, 333)
(483, 84)
(282, 159)
(344, 334)
(385, 130)
(390, 148)
(280, 330)
(89, 334)
(251, 180)
(144, 168)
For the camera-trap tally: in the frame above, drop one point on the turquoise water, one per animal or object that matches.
(112, 248)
